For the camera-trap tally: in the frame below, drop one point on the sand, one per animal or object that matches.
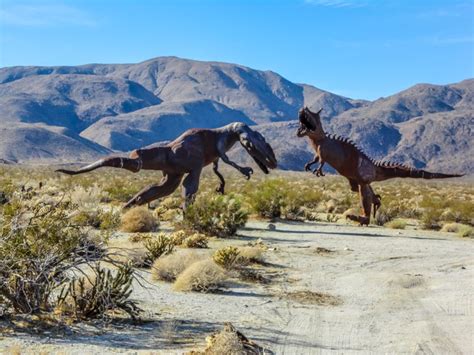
(335, 289)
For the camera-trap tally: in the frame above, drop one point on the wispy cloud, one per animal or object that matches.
(338, 3)
(35, 15)
(441, 41)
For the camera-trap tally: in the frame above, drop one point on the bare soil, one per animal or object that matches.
(332, 289)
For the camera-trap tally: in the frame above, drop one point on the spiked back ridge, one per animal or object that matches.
(385, 164)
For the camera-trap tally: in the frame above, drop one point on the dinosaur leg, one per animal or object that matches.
(354, 185)
(167, 185)
(190, 187)
(114, 162)
(215, 166)
(376, 200)
(365, 193)
(307, 166)
(319, 170)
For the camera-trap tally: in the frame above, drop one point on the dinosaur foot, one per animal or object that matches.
(318, 172)
(362, 220)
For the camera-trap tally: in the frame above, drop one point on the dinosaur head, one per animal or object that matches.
(258, 148)
(310, 123)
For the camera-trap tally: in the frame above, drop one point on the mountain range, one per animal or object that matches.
(78, 113)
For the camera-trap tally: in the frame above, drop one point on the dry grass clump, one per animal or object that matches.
(230, 341)
(251, 254)
(138, 219)
(168, 267)
(397, 224)
(318, 298)
(201, 276)
(462, 230)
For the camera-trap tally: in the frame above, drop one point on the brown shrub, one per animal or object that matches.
(138, 219)
(168, 267)
(202, 276)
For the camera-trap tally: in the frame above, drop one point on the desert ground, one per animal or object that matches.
(333, 288)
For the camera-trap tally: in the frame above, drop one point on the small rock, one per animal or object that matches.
(271, 226)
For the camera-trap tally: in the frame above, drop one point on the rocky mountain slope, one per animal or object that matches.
(52, 114)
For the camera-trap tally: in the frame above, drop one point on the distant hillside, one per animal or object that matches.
(78, 113)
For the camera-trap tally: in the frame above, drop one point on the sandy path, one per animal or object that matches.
(401, 291)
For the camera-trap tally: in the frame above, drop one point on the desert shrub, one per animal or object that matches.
(39, 248)
(138, 219)
(396, 224)
(168, 208)
(197, 240)
(138, 237)
(179, 237)
(269, 197)
(93, 297)
(157, 246)
(105, 220)
(213, 215)
(117, 190)
(201, 276)
(227, 257)
(466, 232)
(109, 220)
(461, 229)
(230, 341)
(431, 218)
(384, 215)
(168, 267)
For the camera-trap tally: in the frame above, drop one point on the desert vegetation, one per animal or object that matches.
(68, 250)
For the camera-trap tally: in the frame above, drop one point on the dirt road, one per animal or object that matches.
(382, 291)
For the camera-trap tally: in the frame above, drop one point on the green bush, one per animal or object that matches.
(269, 197)
(213, 215)
(38, 248)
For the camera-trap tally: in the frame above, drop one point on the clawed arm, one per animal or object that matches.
(307, 166)
(244, 170)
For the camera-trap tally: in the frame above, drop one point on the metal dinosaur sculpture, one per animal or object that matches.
(188, 155)
(349, 161)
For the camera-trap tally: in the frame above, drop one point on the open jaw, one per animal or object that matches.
(261, 152)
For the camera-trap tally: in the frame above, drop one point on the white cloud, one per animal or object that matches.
(43, 15)
(338, 3)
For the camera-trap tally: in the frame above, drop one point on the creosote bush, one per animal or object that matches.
(41, 249)
(138, 219)
(213, 215)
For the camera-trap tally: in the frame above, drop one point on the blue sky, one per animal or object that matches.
(358, 48)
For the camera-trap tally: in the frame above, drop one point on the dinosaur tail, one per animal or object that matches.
(389, 170)
(114, 162)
